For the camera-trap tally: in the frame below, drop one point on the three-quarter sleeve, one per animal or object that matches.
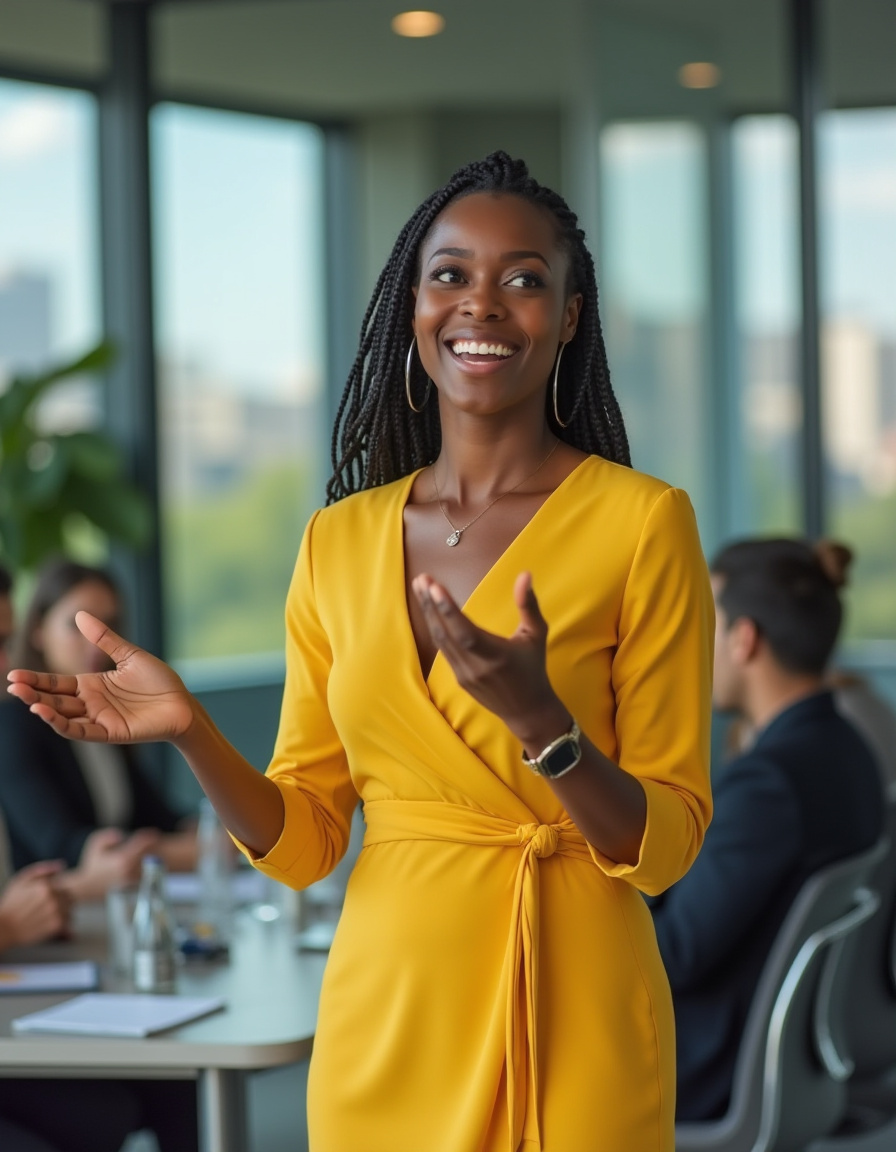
(309, 764)
(662, 681)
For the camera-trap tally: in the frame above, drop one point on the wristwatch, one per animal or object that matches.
(560, 756)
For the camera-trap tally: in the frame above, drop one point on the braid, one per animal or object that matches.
(377, 437)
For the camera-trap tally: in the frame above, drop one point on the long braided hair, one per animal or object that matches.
(377, 437)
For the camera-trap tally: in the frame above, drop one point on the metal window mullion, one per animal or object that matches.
(807, 105)
(727, 457)
(127, 294)
(340, 262)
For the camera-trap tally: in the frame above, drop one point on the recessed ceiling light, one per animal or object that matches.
(699, 74)
(418, 24)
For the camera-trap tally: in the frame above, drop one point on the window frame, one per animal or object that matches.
(339, 197)
(341, 226)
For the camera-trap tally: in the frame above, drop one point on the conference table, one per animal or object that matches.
(270, 991)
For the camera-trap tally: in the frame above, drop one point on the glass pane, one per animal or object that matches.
(653, 278)
(858, 254)
(49, 289)
(238, 226)
(767, 309)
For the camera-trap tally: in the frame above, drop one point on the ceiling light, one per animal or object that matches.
(699, 74)
(418, 24)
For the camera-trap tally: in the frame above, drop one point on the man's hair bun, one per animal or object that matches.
(835, 560)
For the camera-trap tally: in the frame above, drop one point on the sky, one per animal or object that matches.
(655, 219)
(238, 232)
(48, 214)
(239, 244)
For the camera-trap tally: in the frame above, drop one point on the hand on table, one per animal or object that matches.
(109, 859)
(507, 675)
(141, 699)
(33, 907)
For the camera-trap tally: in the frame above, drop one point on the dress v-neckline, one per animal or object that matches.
(425, 678)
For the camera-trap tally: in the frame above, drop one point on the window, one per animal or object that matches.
(767, 311)
(858, 280)
(654, 287)
(239, 315)
(49, 285)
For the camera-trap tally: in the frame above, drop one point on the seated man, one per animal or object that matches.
(806, 793)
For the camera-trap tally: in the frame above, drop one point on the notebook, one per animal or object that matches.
(74, 976)
(118, 1014)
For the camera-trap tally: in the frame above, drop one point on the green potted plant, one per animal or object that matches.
(52, 482)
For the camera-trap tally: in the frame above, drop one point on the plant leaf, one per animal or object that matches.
(41, 536)
(91, 455)
(120, 510)
(25, 390)
(39, 481)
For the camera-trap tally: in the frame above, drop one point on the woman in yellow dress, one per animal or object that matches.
(527, 766)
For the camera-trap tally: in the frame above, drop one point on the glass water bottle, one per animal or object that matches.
(154, 946)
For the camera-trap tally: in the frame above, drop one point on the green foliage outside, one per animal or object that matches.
(229, 559)
(865, 523)
(868, 525)
(61, 490)
(775, 498)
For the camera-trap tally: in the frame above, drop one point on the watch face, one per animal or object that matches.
(561, 759)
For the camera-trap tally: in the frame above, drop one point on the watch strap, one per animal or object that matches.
(541, 764)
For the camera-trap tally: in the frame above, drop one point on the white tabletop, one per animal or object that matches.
(270, 990)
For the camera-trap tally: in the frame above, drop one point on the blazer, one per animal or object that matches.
(44, 797)
(806, 794)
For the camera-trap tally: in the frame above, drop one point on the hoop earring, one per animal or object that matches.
(407, 379)
(556, 381)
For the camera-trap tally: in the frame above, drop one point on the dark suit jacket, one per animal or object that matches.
(43, 795)
(806, 794)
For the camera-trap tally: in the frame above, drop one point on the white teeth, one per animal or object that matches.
(474, 348)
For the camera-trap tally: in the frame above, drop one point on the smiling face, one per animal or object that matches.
(492, 304)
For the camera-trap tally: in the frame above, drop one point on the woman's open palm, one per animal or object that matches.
(140, 700)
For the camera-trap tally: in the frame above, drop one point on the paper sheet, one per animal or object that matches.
(115, 1014)
(246, 887)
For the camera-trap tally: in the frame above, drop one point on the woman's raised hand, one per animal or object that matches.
(141, 699)
(507, 675)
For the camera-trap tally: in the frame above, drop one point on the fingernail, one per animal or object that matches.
(436, 593)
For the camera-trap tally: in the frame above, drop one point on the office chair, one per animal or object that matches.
(871, 1019)
(790, 1078)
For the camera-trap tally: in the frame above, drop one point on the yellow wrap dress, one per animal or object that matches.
(494, 984)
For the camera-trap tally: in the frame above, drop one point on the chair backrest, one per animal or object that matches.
(871, 1017)
(789, 1081)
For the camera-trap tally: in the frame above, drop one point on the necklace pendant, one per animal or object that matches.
(454, 538)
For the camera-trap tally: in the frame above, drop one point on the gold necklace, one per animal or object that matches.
(456, 533)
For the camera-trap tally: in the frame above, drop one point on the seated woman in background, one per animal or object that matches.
(78, 803)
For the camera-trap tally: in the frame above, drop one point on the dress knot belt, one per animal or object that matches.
(544, 838)
(395, 820)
